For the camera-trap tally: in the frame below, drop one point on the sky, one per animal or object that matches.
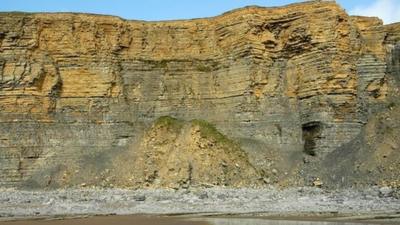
(388, 10)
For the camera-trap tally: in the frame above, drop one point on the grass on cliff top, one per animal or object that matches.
(170, 123)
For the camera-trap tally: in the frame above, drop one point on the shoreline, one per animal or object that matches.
(345, 204)
(390, 219)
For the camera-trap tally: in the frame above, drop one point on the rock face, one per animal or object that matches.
(79, 91)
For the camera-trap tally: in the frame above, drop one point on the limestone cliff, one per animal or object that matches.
(290, 85)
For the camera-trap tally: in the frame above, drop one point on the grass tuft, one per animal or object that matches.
(169, 122)
(208, 130)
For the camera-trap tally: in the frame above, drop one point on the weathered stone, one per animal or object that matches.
(385, 192)
(139, 198)
(78, 91)
(178, 154)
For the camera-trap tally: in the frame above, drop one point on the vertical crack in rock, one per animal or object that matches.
(2, 63)
(395, 62)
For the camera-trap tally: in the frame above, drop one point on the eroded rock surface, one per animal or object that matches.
(290, 85)
(180, 154)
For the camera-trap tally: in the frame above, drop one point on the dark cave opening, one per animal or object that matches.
(311, 133)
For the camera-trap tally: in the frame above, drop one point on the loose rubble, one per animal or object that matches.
(214, 201)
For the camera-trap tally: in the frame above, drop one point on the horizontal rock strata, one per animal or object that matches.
(79, 88)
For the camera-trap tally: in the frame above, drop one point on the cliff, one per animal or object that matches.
(80, 95)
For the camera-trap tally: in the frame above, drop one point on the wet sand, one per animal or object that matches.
(108, 220)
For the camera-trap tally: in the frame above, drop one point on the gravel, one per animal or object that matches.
(270, 201)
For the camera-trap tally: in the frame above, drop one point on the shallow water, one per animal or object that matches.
(152, 220)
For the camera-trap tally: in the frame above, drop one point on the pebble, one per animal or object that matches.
(385, 192)
(139, 198)
(224, 200)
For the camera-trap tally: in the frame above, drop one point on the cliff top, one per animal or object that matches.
(301, 6)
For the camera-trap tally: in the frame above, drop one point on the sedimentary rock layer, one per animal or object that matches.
(83, 88)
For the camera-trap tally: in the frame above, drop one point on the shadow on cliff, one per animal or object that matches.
(371, 159)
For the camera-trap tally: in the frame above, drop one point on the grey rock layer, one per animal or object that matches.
(77, 90)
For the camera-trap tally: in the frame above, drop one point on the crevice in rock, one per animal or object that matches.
(2, 36)
(395, 63)
(2, 64)
(311, 133)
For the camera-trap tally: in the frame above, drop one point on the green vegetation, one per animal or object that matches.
(169, 122)
(208, 130)
(204, 68)
(160, 63)
(163, 63)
